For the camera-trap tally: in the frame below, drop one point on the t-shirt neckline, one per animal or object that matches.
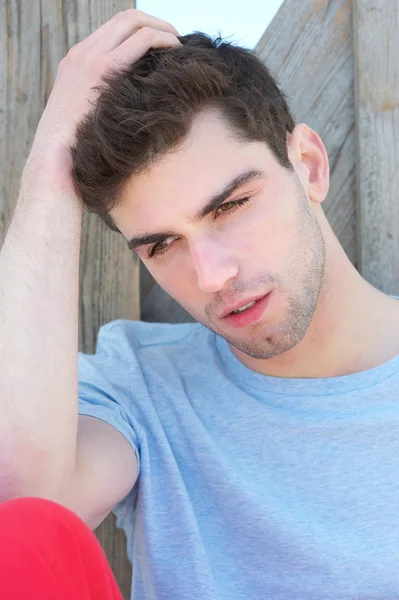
(304, 386)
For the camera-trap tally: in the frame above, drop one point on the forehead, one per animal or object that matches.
(183, 180)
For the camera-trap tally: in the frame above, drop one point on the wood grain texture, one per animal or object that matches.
(34, 36)
(21, 102)
(376, 26)
(308, 47)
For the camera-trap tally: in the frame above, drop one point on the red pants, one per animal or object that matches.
(48, 553)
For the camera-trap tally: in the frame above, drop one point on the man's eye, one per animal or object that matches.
(157, 249)
(232, 205)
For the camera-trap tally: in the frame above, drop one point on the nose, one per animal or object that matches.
(214, 264)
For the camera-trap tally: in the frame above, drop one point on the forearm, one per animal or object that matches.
(39, 270)
(39, 288)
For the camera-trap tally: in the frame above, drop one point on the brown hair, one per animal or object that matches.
(146, 110)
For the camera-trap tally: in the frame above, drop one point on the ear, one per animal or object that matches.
(308, 155)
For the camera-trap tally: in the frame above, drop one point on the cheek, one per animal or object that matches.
(175, 281)
(251, 234)
(266, 235)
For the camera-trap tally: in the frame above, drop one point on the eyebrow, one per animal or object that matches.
(215, 201)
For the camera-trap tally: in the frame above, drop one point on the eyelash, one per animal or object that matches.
(236, 206)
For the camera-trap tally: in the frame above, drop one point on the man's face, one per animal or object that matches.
(270, 243)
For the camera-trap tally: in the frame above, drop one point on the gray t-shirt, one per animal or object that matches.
(250, 487)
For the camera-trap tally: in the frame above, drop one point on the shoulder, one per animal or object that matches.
(152, 349)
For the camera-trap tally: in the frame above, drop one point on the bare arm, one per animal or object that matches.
(39, 263)
(39, 328)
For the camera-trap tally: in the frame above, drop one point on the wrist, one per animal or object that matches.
(48, 166)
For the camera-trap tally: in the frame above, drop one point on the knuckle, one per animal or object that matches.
(72, 54)
(127, 15)
(61, 64)
(132, 12)
(64, 63)
(148, 33)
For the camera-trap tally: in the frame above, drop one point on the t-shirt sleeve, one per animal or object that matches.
(105, 384)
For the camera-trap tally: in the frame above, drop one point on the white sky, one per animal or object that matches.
(245, 21)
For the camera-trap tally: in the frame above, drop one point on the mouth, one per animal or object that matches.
(241, 305)
(247, 313)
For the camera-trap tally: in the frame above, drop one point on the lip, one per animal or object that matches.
(238, 305)
(249, 316)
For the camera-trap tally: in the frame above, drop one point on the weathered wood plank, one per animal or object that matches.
(309, 49)
(376, 24)
(21, 102)
(34, 36)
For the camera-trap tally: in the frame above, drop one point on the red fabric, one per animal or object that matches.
(49, 553)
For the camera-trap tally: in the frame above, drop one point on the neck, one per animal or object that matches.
(351, 330)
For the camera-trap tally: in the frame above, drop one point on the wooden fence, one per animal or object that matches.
(34, 36)
(338, 62)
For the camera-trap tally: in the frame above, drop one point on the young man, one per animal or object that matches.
(252, 454)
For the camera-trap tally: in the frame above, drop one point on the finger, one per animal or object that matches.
(138, 44)
(124, 24)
